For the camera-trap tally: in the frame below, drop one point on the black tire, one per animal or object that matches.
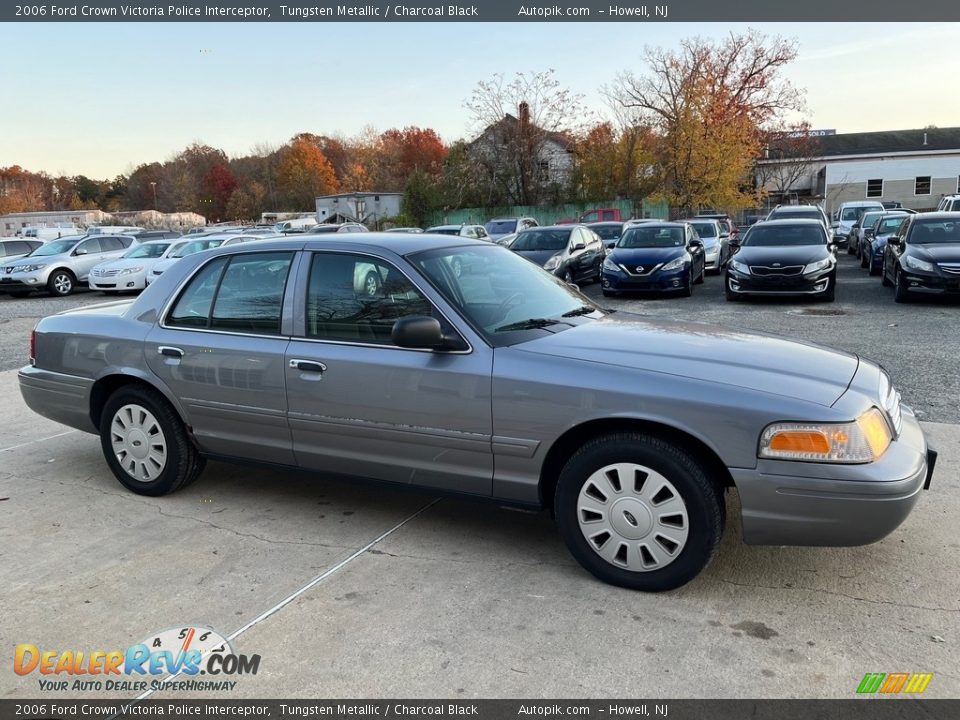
(884, 280)
(864, 261)
(900, 292)
(849, 248)
(703, 275)
(183, 462)
(702, 497)
(856, 250)
(871, 269)
(610, 293)
(568, 277)
(61, 283)
(687, 289)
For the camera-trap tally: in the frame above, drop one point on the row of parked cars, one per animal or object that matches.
(105, 261)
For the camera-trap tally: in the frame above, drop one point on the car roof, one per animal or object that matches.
(942, 215)
(564, 226)
(607, 222)
(789, 221)
(666, 223)
(398, 243)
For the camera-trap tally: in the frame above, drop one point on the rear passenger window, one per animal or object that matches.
(250, 295)
(354, 298)
(193, 306)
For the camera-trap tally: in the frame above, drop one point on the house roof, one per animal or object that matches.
(890, 141)
(509, 122)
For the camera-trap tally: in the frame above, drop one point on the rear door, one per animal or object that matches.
(360, 405)
(220, 349)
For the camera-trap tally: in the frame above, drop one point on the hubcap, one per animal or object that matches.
(138, 443)
(62, 283)
(371, 285)
(633, 517)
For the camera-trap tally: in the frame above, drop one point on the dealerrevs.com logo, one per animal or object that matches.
(894, 683)
(169, 660)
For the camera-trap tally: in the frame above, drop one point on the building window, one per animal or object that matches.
(875, 188)
(922, 185)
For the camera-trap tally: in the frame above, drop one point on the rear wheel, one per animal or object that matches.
(61, 283)
(145, 443)
(371, 284)
(639, 512)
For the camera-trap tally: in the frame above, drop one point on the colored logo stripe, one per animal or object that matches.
(894, 683)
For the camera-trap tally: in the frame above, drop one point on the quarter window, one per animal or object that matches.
(875, 188)
(355, 298)
(922, 185)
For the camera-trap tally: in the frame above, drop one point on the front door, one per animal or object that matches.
(360, 405)
(221, 351)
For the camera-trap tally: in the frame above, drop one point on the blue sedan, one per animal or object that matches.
(874, 242)
(655, 257)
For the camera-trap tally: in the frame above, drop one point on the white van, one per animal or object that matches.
(847, 215)
(50, 233)
(113, 230)
(949, 203)
(297, 225)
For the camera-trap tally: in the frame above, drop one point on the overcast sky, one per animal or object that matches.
(99, 99)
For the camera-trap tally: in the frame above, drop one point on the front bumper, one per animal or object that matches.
(712, 260)
(812, 284)
(24, 281)
(795, 503)
(656, 281)
(135, 281)
(931, 284)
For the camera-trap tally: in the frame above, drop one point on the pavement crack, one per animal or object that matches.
(841, 594)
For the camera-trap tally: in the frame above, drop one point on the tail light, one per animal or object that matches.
(33, 346)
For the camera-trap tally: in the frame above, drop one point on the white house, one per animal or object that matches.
(365, 207)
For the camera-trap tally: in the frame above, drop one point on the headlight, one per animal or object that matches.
(131, 270)
(609, 264)
(818, 265)
(918, 264)
(29, 268)
(553, 263)
(739, 267)
(674, 264)
(861, 441)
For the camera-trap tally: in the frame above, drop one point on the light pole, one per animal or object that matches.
(153, 185)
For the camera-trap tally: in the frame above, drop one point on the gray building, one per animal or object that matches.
(912, 167)
(368, 208)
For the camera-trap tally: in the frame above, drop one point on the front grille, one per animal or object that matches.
(104, 273)
(640, 270)
(951, 268)
(766, 271)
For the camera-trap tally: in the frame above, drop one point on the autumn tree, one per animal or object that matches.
(517, 122)
(218, 185)
(709, 102)
(408, 151)
(303, 173)
(246, 202)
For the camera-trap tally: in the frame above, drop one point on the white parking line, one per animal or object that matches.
(318, 579)
(39, 440)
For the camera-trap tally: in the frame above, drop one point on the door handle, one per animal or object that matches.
(308, 366)
(168, 351)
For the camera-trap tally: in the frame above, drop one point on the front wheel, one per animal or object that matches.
(900, 292)
(884, 280)
(145, 443)
(864, 260)
(61, 283)
(639, 512)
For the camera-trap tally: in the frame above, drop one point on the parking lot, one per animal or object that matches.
(350, 590)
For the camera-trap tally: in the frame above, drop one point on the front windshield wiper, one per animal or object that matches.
(530, 324)
(582, 310)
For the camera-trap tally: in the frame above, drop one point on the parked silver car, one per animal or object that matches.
(59, 265)
(504, 383)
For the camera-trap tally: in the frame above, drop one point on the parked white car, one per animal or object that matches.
(847, 215)
(129, 272)
(478, 232)
(190, 246)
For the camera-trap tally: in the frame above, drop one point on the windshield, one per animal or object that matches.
(54, 248)
(774, 235)
(852, 214)
(194, 247)
(870, 218)
(888, 226)
(444, 230)
(607, 232)
(148, 250)
(796, 215)
(533, 240)
(501, 227)
(651, 237)
(499, 292)
(935, 232)
(705, 230)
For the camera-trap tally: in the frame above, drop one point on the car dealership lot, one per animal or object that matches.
(464, 599)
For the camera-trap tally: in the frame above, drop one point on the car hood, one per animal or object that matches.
(36, 260)
(645, 256)
(783, 254)
(738, 358)
(163, 264)
(539, 257)
(938, 252)
(126, 262)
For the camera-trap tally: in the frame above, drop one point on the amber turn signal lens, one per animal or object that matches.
(800, 441)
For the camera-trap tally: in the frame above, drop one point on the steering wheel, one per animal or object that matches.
(511, 301)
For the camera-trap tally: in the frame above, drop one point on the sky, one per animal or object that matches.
(99, 99)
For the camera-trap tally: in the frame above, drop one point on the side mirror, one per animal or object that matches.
(832, 247)
(611, 244)
(835, 224)
(418, 332)
(578, 245)
(894, 240)
(80, 251)
(693, 244)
